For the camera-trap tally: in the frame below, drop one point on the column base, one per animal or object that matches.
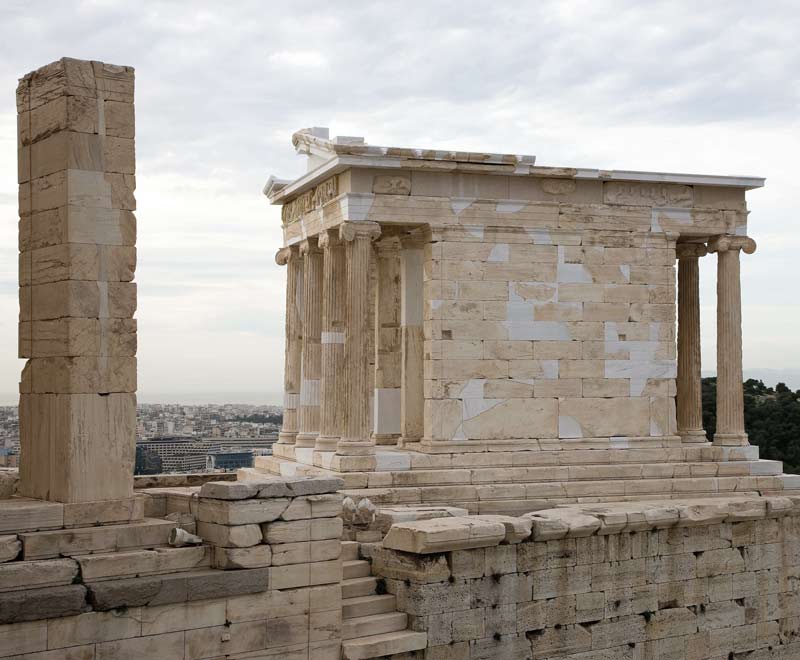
(286, 437)
(326, 443)
(731, 439)
(386, 438)
(355, 448)
(694, 435)
(404, 441)
(364, 463)
(305, 439)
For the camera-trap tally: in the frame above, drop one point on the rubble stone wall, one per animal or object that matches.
(699, 580)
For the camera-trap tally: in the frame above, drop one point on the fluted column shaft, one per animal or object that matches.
(386, 414)
(334, 384)
(689, 387)
(730, 396)
(312, 353)
(356, 437)
(290, 257)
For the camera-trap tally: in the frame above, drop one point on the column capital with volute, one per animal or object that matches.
(350, 231)
(726, 242)
(690, 250)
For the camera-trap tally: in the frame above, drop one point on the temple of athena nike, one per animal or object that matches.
(493, 443)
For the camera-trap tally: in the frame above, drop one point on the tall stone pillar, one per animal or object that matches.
(730, 396)
(77, 299)
(290, 257)
(412, 399)
(386, 412)
(334, 384)
(690, 398)
(355, 451)
(311, 366)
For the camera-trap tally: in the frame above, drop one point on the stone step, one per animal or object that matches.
(148, 533)
(355, 568)
(374, 624)
(376, 646)
(365, 605)
(350, 550)
(458, 494)
(152, 561)
(393, 460)
(361, 586)
(582, 468)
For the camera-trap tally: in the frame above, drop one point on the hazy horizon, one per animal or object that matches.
(221, 87)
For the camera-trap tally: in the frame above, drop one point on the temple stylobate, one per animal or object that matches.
(467, 309)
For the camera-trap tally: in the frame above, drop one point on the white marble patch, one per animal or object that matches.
(499, 253)
(309, 392)
(681, 216)
(540, 237)
(519, 312)
(549, 368)
(473, 389)
(386, 413)
(544, 330)
(458, 204)
(573, 274)
(473, 407)
(568, 427)
(332, 338)
(290, 400)
(356, 206)
(395, 461)
(304, 455)
(510, 207)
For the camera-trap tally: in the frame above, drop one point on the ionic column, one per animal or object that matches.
(290, 257)
(730, 397)
(690, 398)
(412, 399)
(386, 413)
(311, 353)
(355, 441)
(333, 389)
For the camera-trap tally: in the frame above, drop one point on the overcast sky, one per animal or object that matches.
(677, 86)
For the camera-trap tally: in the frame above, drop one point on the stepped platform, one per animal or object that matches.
(515, 482)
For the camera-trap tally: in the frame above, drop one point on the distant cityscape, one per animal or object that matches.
(181, 438)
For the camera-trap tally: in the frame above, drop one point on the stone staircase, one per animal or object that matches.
(371, 626)
(513, 483)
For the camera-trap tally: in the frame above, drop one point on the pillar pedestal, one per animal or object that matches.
(730, 396)
(689, 387)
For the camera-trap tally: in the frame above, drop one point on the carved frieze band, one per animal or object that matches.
(726, 242)
(310, 200)
(648, 194)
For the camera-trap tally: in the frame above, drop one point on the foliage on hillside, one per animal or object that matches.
(771, 418)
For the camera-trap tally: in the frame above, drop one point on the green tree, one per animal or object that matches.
(771, 419)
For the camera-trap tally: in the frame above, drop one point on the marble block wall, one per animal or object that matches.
(549, 334)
